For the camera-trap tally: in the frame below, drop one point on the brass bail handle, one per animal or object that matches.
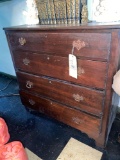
(78, 98)
(26, 61)
(77, 120)
(81, 71)
(78, 45)
(22, 41)
(29, 84)
(31, 102)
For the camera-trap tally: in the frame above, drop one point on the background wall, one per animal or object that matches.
(10, 15)
(104, 11)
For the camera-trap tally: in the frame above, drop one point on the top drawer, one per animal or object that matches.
(89, 45)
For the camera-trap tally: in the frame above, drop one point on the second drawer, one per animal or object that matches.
(88, 100)
(90, 73)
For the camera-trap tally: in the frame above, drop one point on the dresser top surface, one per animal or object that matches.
(93, 25)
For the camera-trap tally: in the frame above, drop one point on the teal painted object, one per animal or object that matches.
(4, 0)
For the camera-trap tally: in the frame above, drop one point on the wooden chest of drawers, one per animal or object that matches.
(40, 56)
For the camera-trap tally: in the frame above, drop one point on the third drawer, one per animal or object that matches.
(83, 98)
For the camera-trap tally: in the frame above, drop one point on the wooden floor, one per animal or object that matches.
(45, 137)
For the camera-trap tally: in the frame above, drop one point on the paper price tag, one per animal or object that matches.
(72, 66)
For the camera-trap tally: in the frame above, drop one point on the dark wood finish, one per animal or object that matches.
(58, 67)
(112, 69)
(41, 63)
(45, 43)
(64, 92)
(70, 116)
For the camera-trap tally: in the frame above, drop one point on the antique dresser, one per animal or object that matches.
(41, 59)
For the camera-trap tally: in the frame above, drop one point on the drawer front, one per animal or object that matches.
(70, 116)
(90, 45)
(78, 97)
(90, 73)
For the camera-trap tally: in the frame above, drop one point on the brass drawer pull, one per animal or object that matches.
(80, 71)
(29, 84)
(48, 58)
(22, 41)
(45, 36)
(79, 44)
(31, 102)
(77, 120)
(26, 61)
(77, 97)
(50, 82)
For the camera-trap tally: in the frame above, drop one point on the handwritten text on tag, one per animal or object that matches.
(72, 66)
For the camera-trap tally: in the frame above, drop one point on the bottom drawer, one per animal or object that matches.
(75, 118)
